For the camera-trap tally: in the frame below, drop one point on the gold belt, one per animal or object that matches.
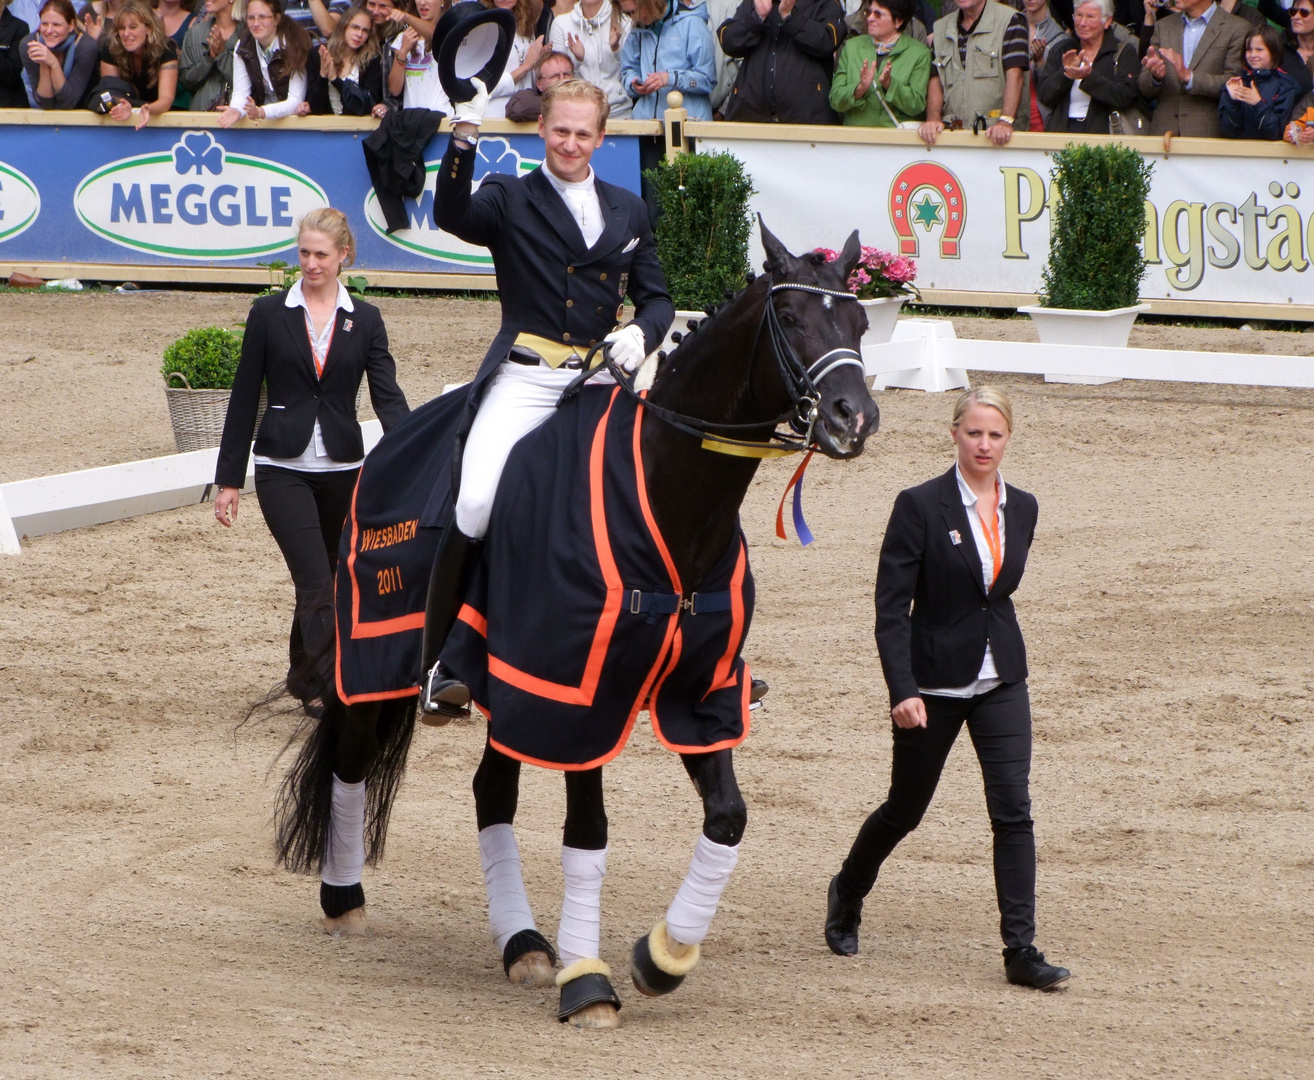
(554, 353)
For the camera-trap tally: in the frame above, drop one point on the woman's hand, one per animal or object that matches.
(865, 78)
(410, 38)
(225, 506)
(615, 39)
(653, 82)
(909, 713)
(39, 54)
(120, 110)
(326, 66)
(885, 75)
(1239, 91)
(1038, 49)
(762, 7)
(215, 41)
(786, 6)
(1075, 65)
(254, 111)
(229, 116)
(143, 116)
(379, 111)
(576, 47)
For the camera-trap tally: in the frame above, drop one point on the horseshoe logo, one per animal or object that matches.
(927, 194)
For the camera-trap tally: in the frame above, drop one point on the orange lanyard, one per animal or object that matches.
(993, 542)
(320, 359)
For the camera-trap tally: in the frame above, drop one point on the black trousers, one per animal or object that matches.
(305, 512)
(1000, 726)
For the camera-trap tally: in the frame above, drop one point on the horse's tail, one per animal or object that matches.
(304, 805)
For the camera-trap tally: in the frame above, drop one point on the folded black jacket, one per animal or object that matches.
(394, 156)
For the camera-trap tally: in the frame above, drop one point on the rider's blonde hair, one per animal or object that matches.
(333, 224)
(578, 90)
(984, 395)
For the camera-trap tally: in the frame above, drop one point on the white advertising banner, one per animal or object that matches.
(1218, 229)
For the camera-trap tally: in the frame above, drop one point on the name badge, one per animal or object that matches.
(954, 537)
(346, 326)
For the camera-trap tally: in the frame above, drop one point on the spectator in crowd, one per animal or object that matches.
(727, 67)
(60, 64)
(138, 66)
(302, 345)
(1300, 132)
(1090, 74)
(269, 75)
(526, 106)
(527, 49)
(1300, 38)
(1044, 30)
(593, 34)
(13, 94)
(412, 68)
(787, 48)
(669, 48)
(1258, 103)
(350, 79)
(917, 27)
(1191, 55)
(177, 17)
(881, 77)
(205, 62)
(95, 18)
(981, 72)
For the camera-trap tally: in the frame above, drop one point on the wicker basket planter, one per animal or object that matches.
(198, 416)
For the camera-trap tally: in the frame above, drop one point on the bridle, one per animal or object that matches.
(800, 381)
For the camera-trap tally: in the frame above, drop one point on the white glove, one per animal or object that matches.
(472, 111)
(627, 347)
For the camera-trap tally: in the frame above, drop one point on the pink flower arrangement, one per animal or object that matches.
(879, 273)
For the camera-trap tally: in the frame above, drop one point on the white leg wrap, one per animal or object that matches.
(580, 931)
(691, 912)
(508, 905)
(345, 858)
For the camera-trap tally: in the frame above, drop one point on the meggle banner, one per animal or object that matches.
(230, 198)
(1222, 229)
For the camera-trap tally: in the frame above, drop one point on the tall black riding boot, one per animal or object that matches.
(442, 695)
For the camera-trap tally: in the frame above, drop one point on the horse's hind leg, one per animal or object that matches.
(526, 954)
(664, 957)
(341, 894)
(588, 999)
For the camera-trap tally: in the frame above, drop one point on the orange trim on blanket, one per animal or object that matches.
(642, 482)
(478, 623)
(611, 608)
(724, 674)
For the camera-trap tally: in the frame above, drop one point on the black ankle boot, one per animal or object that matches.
(441, 693)
(1025, 966)
(843, 918)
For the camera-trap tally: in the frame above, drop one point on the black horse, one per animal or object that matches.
(784, 348)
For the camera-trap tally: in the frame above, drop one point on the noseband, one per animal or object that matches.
(800, 381)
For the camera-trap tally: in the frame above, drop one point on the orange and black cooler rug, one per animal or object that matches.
(575, 619)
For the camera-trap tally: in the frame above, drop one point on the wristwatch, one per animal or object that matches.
(1006, 120)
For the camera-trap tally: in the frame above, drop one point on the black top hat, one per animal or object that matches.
(472, 41)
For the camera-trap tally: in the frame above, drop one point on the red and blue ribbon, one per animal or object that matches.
(796, 485)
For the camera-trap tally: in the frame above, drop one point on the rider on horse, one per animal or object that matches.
(564, 244)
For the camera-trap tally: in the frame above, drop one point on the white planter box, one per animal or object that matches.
(882, 314)
(1067, 326)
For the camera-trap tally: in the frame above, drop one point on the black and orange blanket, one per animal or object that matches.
(575, 619)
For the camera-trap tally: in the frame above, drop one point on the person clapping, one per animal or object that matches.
(1089, 75)
(351, 75)
(1258, 103)
(881, 77)
(269, 76)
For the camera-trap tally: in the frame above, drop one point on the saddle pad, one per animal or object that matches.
(576, 620)
(387, 549)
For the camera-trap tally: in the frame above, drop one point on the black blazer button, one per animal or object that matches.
(599, 311)
(570, 303)
(592, 342)
(570, 269)
(602, 277)
(565, 336)
(985, 607)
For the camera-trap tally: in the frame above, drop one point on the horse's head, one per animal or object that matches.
(821, 323)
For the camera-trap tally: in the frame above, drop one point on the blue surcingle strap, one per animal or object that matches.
(648, 603)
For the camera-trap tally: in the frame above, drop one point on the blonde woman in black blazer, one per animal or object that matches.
(310, 346)
(953, 654)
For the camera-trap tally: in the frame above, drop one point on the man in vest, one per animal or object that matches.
(980, 74)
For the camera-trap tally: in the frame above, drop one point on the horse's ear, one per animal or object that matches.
(778, 258)
(848, 258)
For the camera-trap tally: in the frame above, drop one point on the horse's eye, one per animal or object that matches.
(787, 319)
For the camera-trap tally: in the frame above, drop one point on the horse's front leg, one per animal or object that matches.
(588, 1000)
(354, 746)
(527, 955)
(662, 958)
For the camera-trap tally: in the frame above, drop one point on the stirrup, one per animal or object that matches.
(443, 697)
(756, 692)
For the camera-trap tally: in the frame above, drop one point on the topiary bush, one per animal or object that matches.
(207, 358)
(1095, 261)
(702, 233)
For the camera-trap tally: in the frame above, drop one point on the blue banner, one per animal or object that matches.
(169, 196)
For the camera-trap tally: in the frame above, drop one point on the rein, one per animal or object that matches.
(800, 381)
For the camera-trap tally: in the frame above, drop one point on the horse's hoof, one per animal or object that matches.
(528, 959)
(600, 1017)
(349, 924)
(654, 968)
(588, 1000)
(532, 969)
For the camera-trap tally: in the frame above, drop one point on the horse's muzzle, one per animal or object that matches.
(844, 424)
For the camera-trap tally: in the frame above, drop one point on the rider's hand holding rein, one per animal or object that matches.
(627, 347)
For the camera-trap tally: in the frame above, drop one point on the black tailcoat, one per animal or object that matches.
(934, 615)
(551, 283)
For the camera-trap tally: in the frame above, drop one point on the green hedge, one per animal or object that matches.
(206, 357)
(702, 232)
(1095, 261)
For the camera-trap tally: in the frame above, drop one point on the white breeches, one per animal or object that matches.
(518, 399)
